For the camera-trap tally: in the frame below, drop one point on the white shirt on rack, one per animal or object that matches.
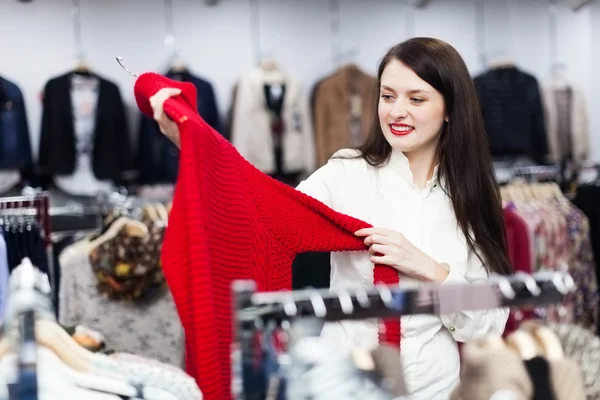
(84, 102)
(387, 197)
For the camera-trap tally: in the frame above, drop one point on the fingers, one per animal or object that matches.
(383, 260)
(377, 249)
(367, 231)
(377, 238)
(158, 99)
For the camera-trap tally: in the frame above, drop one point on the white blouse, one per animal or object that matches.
(387, 197)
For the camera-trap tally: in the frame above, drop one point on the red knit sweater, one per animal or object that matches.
(230, 221)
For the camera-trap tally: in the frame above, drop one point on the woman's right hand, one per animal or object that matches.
(167, 126)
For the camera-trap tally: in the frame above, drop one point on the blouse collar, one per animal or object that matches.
(400, 164)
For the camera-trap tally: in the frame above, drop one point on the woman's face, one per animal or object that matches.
(411, 112)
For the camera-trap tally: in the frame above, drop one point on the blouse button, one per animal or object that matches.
(452, 329)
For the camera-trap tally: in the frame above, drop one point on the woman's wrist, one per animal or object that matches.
(438, 272)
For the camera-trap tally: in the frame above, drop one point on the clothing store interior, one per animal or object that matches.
(258, 291)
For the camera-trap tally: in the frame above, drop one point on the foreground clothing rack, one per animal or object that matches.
(41, 359)
(37, 206)
(302, 313)
(30, 298)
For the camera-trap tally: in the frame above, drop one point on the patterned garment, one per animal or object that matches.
(561, 236)
(148, 327)
(583, 347)
(129, 268)
(581, 266)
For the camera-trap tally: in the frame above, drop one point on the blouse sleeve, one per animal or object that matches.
(472, 324)
(326, 183)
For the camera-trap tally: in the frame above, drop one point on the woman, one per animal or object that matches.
(424, 179)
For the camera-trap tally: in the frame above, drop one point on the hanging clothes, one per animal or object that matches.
(587, 199)
(560, 234)
(114, 284)
(23, 238)
(84, 135)
(16, 161)
(567, 122)
(4, 274)
(344, 106)
(512, 108)
(493, 370)
(271, 126)
(157, 158)
(84, 101)
(519, 254)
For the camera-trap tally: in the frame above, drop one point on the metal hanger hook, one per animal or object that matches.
(120, 61)
(318, 305)
(505, 287)
(530, 283)
(345, 302)
(289, 306)
(385, 293)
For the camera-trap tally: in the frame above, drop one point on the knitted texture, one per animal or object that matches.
(230, 221)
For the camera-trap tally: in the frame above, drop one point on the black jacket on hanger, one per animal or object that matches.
(112, 148)
(512, 108)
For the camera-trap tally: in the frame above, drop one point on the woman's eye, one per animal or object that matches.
(386, 97)
(416, 100)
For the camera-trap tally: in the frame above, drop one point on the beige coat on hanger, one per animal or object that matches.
(580, 134)
(332, 110)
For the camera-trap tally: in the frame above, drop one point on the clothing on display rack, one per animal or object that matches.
(559, 237)
(310, 372)
(4, 274)
(84, 142)
(511, 104)
(566, 121)
(24, 232)
(219, 192)
(271, 125)
(342, 106)
(112, 282)
(157, 158)
(57, 367)
(586, 199)
(491, 369)
(16, 162)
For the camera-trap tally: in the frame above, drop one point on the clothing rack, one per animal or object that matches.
(530, 173)
(39, 203)
(394, 301)
(29, 298)
(305, 311)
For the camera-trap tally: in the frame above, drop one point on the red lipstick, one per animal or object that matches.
(401, 129)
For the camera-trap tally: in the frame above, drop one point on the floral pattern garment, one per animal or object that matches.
(582, 266)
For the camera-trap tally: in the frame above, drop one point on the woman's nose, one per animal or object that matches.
(398, 110)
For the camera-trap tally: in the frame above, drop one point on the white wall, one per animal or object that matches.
(38, 40)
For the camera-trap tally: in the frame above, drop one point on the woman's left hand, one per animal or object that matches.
(391, 248)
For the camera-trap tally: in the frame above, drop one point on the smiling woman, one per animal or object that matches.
(424, 180)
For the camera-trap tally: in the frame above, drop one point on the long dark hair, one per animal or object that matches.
(465, 164)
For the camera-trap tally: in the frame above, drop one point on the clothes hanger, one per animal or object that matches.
(88, 385)
(132, 227)
(547, 341)
(151, 213)
(523, 343)
(272, 73)
(83, 68)
(162, 212)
